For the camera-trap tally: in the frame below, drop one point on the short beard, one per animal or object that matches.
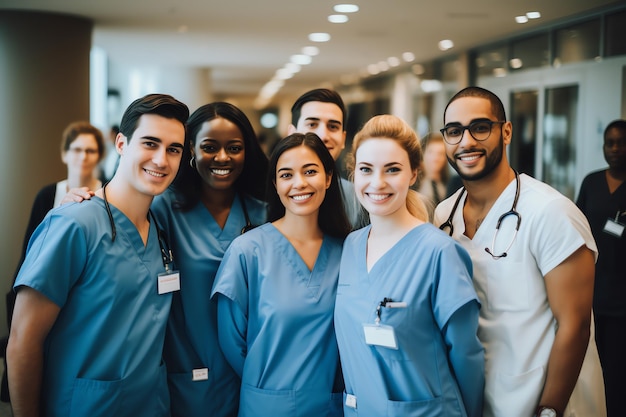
(493, 160)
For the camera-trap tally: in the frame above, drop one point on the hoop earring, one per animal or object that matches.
(192, 162)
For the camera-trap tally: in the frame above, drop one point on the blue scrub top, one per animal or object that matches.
(437, 365)
(276, 325)
(103, 354)
(199, 243)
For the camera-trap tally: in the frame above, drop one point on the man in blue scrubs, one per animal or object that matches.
(94, 292)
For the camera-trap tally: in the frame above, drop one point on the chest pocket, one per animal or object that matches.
(507, 286)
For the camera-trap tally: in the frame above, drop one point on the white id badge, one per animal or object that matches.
(380, 335)
(350, 401)
(168, 282)
(201, 374)
(614, 228)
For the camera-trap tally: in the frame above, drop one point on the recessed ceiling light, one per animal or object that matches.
(292, 67)
(337, 18)
(521, 19)
(516, 63)
(346, 8)
(373, 69)
(445, 44)
(383, 66)
(301, 59)
(311, 50)
(408, 56)
(319, 37)
(393, 61)
(533, 15)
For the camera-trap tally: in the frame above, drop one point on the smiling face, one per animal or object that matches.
(82, 156)
(149, 161)
(382, 176)
(301, 181)
(326, 121)
(220, 153)
(472, 159)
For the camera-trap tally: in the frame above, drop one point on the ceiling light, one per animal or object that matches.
(408, 56)
(346, 8)
(393, 61)
(445, 44)
(292, 67)
(283, 74)
(533, 15)
(311, 50)
(319, 37)
(515, 63)
(301, 59)
(373, 69)
(337, 18)
(521, 19)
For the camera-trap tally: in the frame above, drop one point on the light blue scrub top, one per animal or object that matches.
(103, 354)
(191, 341)
(438, 367)
(276, 325)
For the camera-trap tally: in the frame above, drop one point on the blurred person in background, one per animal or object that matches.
(602, 198)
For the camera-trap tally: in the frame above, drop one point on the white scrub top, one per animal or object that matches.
(517, 327)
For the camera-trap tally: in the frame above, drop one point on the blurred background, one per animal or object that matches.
(559, 67)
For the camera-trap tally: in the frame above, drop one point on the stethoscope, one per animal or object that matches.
(166, 253)
(512, 212)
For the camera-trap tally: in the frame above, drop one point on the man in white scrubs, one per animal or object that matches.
(533, 268)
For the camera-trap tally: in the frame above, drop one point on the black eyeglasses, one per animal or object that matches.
(480, 130)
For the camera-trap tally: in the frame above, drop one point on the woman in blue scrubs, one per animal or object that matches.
(406, 313)
(276, 289)
(216, 195)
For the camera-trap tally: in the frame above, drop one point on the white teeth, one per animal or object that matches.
(154, 173)
(301, 197)
(378, 197)
(469, 158)
(221, 171)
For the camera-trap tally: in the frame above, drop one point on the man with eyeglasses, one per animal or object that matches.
(533, 255)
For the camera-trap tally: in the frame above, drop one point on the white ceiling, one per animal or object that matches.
(244, 42)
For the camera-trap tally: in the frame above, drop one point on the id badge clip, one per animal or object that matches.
(168, 281)
(613, 227)
(380, 334)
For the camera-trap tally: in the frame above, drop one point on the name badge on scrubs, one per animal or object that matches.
(380, 335)
(201, 374)
(168, 281)
(614, 227)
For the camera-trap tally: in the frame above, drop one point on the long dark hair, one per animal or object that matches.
(188, 183)
(332, 217)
